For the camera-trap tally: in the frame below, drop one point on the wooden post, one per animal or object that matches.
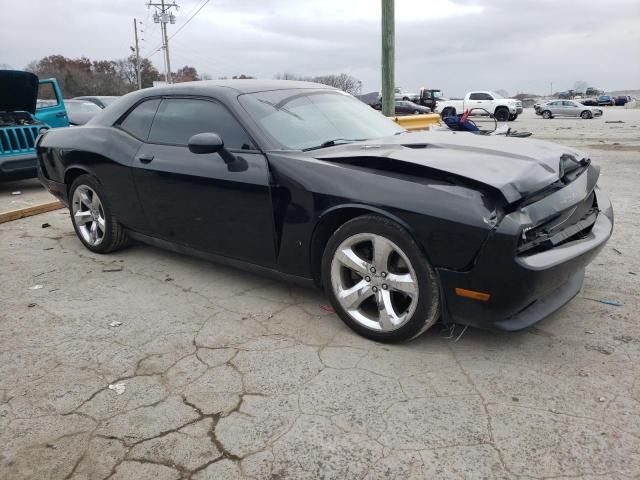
(138, 74)
(388, 58)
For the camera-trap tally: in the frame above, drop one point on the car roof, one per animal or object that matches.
(222, 89)
(250, 85)
(81, 97)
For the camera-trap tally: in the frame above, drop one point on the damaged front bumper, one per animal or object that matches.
(524, 289)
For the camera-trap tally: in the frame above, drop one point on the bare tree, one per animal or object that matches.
(287, 76)
(344, 82)
(580, 86)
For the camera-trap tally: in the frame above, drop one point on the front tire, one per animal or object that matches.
(546, 115)
(379, 281)
(92, 218)
(502, 114)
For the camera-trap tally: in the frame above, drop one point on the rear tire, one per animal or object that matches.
(93, 220)
(502, 114)
(586, 115)
(547, 115)
(379, 281)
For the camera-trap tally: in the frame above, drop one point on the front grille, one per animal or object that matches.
(14, 140)
(572, 224)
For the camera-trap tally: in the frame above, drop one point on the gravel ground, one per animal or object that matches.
(145, 364)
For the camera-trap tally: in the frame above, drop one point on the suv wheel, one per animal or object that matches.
(92, 219)
(378, 280)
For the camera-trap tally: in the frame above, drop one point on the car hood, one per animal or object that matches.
(516, 167)
(18, 91)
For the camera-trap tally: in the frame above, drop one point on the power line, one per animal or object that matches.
(189, 19)
(193, 14)
(164, 15)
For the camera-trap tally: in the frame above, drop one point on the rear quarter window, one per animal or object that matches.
(138, 121)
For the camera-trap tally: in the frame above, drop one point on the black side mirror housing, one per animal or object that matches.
(202, 143)
(209, 142)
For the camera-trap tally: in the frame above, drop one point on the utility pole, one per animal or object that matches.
(163, 15)
(388, 58)
(138, 74)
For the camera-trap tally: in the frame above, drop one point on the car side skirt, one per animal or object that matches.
(227, 261)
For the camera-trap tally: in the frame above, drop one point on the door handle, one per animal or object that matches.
(145, 158)
(61, 114)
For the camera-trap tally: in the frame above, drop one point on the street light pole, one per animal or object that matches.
(388, 57)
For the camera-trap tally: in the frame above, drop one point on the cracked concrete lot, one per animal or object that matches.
(228, 375)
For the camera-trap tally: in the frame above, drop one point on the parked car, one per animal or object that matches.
(567, 108)
(606, 100)
(81, 111)
(305, 182)
(483, 103)
(590, 102)
(103, 101)
(410, 108)
(22, 120)
(402, 94)
(622, 100)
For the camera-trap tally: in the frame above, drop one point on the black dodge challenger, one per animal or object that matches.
(307, 183)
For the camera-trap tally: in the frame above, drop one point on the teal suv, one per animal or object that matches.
(28, 106)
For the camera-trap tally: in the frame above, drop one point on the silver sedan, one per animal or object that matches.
(567, 108)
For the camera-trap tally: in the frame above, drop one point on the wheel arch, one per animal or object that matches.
(333, 218)
(73, 171)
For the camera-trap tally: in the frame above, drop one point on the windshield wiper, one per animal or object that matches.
(335, 141)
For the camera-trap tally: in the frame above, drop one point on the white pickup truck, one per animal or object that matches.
(481, 102)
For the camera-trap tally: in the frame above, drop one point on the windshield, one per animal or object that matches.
(496, 96)
(302, 119)
(82, 107)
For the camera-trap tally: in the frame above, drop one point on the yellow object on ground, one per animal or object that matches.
(417, 122)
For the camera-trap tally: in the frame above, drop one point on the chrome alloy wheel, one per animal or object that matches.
(374, 282)
(88, 215)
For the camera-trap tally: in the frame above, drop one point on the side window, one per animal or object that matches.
(178, 119)
(138, 122)
(46, 95)
(480, 96)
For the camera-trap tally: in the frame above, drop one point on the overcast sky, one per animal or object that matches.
(455, 45)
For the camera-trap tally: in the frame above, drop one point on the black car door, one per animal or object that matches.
(196, 199)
